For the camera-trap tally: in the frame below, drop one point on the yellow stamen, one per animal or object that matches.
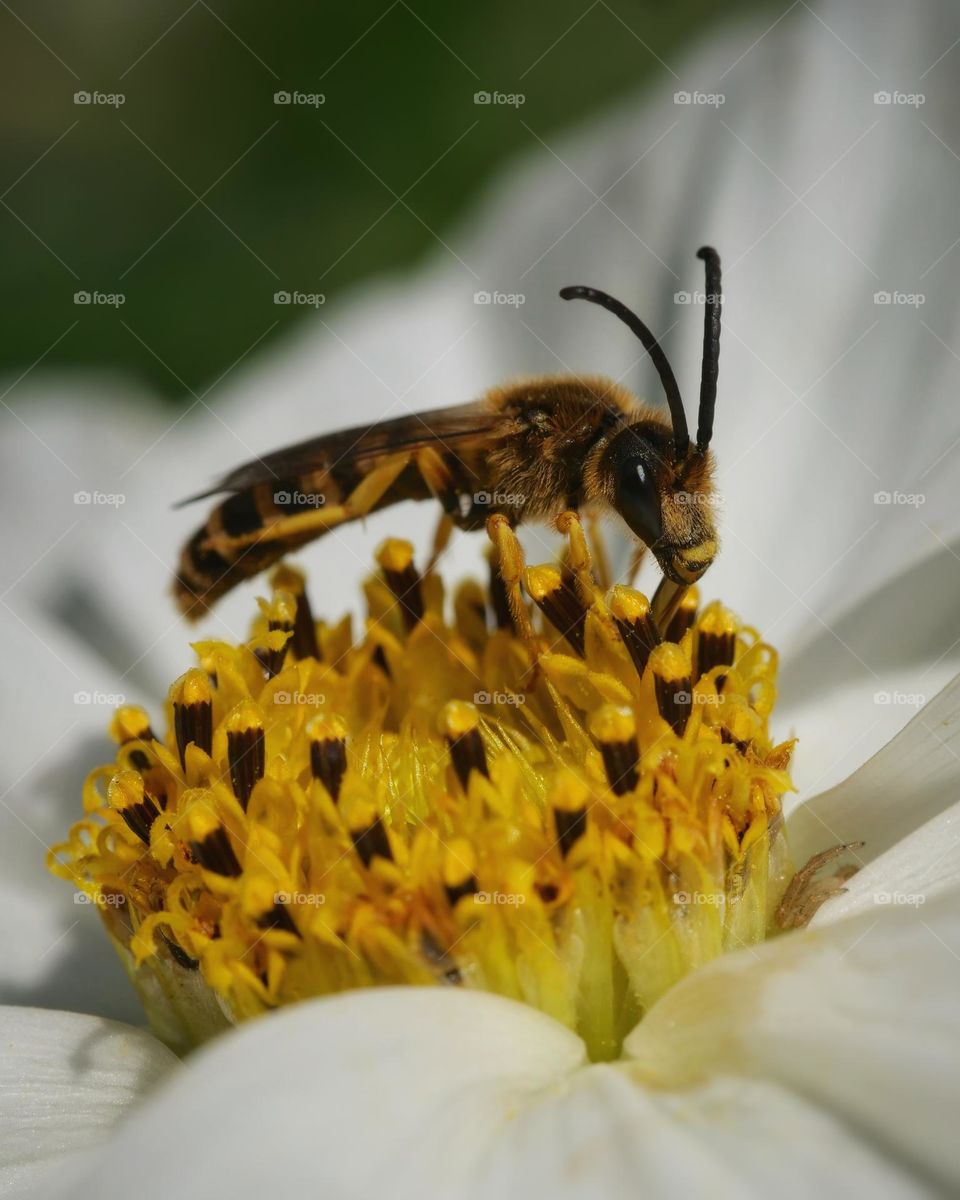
(328, 752)
(684, 617)
(716, 638)
(571, 823)
(192, 702)
(673, 684)
(395, 557)
(615, 728)
(246, 748)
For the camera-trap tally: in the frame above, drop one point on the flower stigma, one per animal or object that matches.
(524, 790)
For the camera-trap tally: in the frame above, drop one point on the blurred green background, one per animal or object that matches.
(199, 196)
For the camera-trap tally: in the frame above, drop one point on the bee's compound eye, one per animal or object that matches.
(638, 500)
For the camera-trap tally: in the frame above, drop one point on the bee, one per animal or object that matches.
(528, 450)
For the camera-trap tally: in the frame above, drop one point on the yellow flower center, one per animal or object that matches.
(574, 822)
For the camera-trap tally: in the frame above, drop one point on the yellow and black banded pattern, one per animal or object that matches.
(442, 802)
(286, 499)
(524, 450)
(251, 529)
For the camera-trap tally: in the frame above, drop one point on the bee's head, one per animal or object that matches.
(668, 505)
(659, 483)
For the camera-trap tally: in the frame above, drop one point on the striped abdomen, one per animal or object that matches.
(255, 527)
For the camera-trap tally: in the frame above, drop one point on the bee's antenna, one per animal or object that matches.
(681, 437)
(711, 347)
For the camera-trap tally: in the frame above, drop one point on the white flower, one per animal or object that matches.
(825, 1060)
(821, 1063)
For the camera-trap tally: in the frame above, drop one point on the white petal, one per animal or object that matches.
(60, 440)
(917, 870)
(55, 951)
(464, 1095)
(911, 780)
(852, 685)
(606, 1135)
(859, 1017)
(818, 403)
(394, 1091)
(65, 1082)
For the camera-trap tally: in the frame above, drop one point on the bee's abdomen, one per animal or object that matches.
(225, 550)
(210, 564)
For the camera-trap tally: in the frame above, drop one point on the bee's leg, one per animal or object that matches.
(510, 565)
(255, 527)
(601, 559)
(578, 556)
(666, 600)
(436, 474)
(636, 562)
(300, 527)
(441, 540)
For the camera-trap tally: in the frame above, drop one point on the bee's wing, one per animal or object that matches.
(357, 446)
(285, 499)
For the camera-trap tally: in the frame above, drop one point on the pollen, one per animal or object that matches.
(549, 799)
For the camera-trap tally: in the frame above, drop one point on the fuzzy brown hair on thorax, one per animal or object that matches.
(549, 428)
